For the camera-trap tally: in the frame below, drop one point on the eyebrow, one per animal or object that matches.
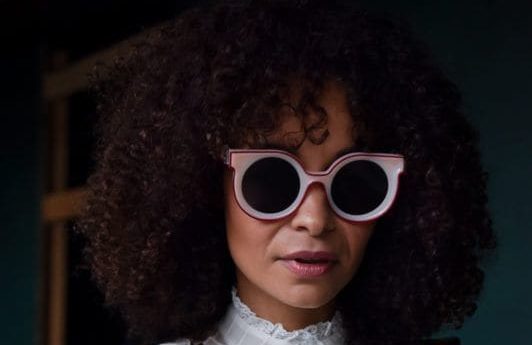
(350, 149)
(277, 146)
(293, 150)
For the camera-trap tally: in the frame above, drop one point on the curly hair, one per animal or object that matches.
(214, 77)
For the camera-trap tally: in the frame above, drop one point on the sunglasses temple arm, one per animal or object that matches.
(226, 155)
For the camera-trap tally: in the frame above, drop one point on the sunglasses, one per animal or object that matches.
(271, 184)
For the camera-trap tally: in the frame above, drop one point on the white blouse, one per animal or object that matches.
(241, 326)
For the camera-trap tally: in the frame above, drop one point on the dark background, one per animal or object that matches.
(485, 46)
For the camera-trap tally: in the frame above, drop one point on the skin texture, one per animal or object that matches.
(263, 281)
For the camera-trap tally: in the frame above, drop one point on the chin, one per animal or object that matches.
(308, 296)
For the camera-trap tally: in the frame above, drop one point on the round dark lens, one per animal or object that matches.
(270, 185)
(359, 187)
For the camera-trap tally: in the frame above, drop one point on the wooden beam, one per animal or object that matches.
(64, 205)
(58, 282)
(74, 77)
(58, 237)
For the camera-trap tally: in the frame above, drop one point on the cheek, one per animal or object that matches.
(238, 226)
(356, 238)
(246, 236)
(235, 218)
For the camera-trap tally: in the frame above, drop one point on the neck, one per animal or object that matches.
(291, 317)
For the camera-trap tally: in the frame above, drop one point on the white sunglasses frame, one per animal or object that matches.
(239, 160)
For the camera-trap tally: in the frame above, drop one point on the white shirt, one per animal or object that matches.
(241, 326)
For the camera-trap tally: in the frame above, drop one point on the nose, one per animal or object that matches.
(313, 214)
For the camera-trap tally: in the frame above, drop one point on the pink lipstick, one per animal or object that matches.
(306, 264)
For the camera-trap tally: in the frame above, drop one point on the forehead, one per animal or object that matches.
(326, 116)
(321, 136)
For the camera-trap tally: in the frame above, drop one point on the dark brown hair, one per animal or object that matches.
(214, 77)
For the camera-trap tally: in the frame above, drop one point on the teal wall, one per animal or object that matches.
(486, 48)
(19, 194)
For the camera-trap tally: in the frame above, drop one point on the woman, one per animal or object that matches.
(279, 172)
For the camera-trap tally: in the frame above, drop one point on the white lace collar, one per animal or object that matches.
(243, 326)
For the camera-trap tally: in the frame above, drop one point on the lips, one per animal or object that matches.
(306, 264)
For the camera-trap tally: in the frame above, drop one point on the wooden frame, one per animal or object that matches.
(57, 251)
(63, 205)
(60, 204)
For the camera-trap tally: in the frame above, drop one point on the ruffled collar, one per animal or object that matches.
(244, 325)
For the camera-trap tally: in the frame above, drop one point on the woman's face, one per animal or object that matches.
(260, 249)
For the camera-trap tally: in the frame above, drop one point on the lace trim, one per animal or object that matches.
(318, 331)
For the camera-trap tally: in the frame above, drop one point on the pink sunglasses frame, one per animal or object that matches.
(239, 160)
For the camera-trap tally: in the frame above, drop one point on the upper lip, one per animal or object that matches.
(310, 255)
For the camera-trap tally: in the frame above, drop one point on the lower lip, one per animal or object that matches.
(308, 270)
